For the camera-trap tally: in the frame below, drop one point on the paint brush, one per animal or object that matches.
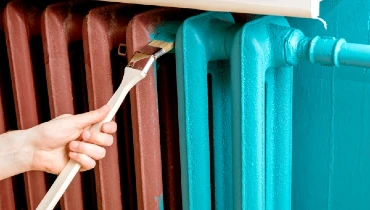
(135, 71)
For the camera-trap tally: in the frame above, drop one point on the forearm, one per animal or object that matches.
(15, 153)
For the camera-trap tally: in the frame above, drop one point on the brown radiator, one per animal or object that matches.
(11, 196)
(62, 42)
(63, 59)
(155, 126)
(104, 29)
(23, 39)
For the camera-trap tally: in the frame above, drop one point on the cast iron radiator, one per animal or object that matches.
(235, 95)
(210, 127)
(62, 58)
(65, 60)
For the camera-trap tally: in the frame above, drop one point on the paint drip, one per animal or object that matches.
(322, 21)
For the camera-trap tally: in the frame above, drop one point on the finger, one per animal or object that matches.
(98, 138)
(94, 151)
(89, 118)
(85, 161)
(63, 116)
(109, 127)
(80, 138)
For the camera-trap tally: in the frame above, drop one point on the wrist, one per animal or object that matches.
(35, 162)
(24, 150)
(15, 153)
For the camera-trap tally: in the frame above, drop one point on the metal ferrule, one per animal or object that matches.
(143, 59)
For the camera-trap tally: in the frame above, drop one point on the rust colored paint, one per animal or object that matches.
(104, 29)
(22, 27)
(168, 120)
(145, 119)
(61, 25)
(6, 193)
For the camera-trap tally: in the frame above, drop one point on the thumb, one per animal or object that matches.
(89, 118)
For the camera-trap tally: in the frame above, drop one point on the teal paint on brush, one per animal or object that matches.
(166, 31)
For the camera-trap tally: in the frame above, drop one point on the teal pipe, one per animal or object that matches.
(355, 55)
(327, 51)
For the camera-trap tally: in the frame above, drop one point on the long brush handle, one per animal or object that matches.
(131, 78)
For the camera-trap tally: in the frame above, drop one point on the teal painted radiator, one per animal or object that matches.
(235, 107)
(235, 129)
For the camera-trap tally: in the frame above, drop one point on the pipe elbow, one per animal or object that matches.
(322, 50)
(295, 47)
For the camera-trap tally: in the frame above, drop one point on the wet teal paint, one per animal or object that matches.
(261, 178)
(159, 200)
(331, 118)
(270, 107)
(196, 45)
(220, 124)
(327, 51)
(249, 63)
(166, 31)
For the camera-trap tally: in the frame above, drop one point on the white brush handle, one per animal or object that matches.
(131, 77)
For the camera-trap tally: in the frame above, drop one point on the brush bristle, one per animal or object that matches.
(166, 46)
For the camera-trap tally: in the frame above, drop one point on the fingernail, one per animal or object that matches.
(74, 145)
(73, 154)
(103, 108)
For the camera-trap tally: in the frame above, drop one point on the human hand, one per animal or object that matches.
(68, 136)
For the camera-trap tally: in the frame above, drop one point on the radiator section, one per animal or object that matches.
(6, 194)
(146, 137)
(198, 187)
(62, 42)
(28, 78)
(169, 131)
(265, 93)
(153, 128)
(7, 122)
(238, 155)
(104, 29)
